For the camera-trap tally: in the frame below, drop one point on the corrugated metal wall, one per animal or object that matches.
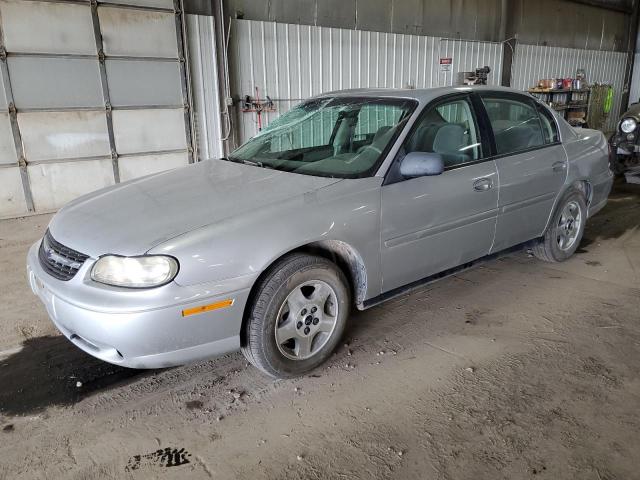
(568, 24)
(204, 80)
(634, 93)
(91, 94)
(560, 23)
(534, 62)
(474, 19)
(292, 62)
(73, 120)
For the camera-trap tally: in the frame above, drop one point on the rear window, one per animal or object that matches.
(516, 124)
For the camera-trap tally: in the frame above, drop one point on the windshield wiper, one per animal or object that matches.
(231, 159)
(253, 163)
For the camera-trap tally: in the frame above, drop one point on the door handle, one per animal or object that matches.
(559, 166)
(482, 185)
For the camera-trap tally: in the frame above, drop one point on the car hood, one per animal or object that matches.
(133, 217)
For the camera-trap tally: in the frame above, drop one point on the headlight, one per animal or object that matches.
(135, 272)
(628, 125)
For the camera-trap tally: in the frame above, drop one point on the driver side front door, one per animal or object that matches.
(432, 223)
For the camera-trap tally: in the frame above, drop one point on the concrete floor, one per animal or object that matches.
(517, 369)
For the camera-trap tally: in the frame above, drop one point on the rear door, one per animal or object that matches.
(430, 224)
(531, 164)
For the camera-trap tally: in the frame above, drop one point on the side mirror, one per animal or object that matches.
(421, 164)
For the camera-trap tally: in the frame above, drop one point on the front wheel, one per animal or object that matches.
(297, 317)
(564, 234)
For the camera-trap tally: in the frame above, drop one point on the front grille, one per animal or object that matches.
(59, 261)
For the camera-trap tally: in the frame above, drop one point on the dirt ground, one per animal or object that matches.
(516, 369)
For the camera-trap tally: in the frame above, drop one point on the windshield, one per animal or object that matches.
(329, 137)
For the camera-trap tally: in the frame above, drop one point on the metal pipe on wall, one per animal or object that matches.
(632, 47)
(508, 37)
(623, 6)
(147, 8)
(209, 77)
(222, 47)
(184, 79)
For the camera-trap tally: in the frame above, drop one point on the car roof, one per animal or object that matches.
(420, 94)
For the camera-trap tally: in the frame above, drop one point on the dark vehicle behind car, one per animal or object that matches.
(625, 142)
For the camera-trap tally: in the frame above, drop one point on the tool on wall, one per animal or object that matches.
(478, 77)
(257, 106)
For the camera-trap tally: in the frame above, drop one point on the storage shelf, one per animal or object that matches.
(570, 90)
(570, 107)
(571, 102)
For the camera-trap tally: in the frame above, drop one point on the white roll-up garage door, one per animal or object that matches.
(91, 93)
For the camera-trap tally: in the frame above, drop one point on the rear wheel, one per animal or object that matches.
(297, 317)
(566, 229)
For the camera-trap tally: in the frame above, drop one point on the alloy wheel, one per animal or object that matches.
(568, 227)
(306, 320)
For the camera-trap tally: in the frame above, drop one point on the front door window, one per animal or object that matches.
(450, 130)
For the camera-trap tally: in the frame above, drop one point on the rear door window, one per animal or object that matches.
(516, 124)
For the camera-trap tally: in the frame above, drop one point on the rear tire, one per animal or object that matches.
(297, 317)
(565, 231)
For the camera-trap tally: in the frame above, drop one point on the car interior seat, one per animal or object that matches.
(422, 139)
(380, 132)
(448, 141)
(518, 137)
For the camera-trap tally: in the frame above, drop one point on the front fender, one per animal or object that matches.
(245, 246)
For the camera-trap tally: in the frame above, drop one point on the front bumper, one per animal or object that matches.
(621, 145)
(141, 328)
(627, 149)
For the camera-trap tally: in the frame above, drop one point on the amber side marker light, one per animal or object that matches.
(207, 308)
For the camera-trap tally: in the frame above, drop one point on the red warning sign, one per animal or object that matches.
(445, 64)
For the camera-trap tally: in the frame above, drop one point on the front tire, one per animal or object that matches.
(565, 231)
(297, 317)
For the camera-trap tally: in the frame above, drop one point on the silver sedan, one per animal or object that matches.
(347, 200)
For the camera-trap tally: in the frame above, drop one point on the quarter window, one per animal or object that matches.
(549, 128)
(516, 124)
(450, 130)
